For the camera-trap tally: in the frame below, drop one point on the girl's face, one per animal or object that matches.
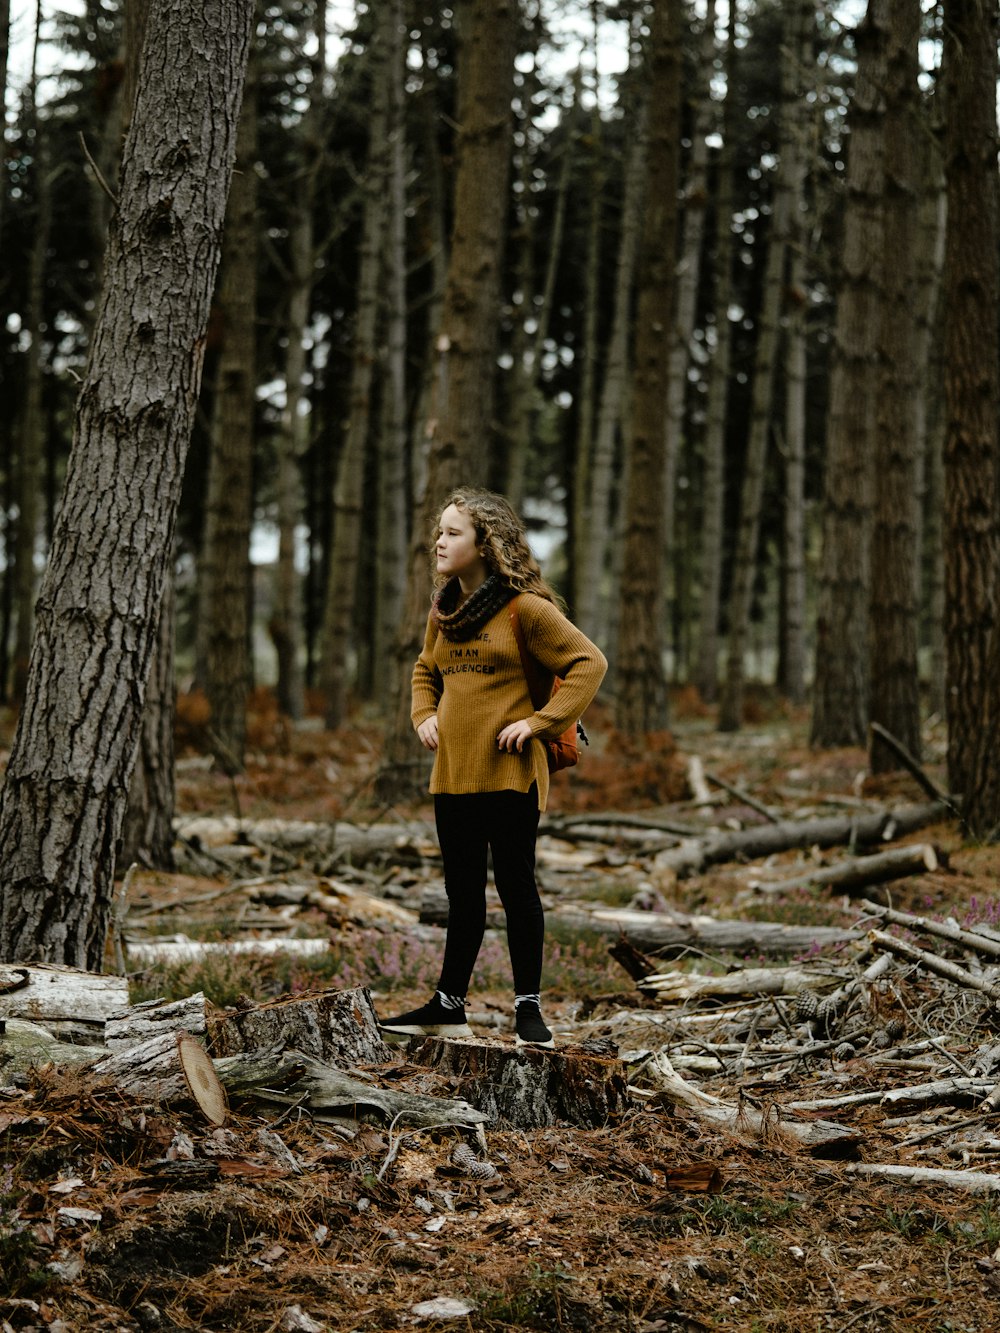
(455, 549)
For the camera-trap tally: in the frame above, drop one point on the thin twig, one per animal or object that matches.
(97, 171)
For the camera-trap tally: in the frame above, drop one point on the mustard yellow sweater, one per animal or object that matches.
(477, 687)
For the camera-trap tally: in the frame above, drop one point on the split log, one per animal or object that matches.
(70, 1003)
(25, 1046)
(932, 962)
(945, 930)
(673, 986)
(821, 1137)
(336, 1026)
(337, 900)
(869, 830)
(861, 872)
(974, 1182)
(142, 1021)
(526, 1087)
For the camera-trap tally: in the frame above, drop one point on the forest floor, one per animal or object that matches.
(657, 1220)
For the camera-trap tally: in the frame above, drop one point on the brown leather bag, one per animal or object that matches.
(564, 751)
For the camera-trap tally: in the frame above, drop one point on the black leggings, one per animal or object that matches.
(505, 822)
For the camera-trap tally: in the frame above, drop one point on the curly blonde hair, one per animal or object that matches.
(501, 538)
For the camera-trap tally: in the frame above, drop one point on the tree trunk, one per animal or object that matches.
(65, 789)
(793, 618)
(971, 291)
(895, 697)
(713, 486)
(765, 360)
(225, 591)
(4, 52)
(592, 572)
(458, 426)
(148, 827)
(586, 396)
(349, 492)
(31, 447)
(286, 617)
(840, 692)
(641, 698)
(465, 427)
(393, 509)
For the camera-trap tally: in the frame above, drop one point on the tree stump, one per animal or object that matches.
(527, 1087)
(337, 1027)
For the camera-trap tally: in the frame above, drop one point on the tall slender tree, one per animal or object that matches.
(641, 698)
(796, 17)
(840, 692)
(459, 417)
(66, 783)
(225, 592)
(971, 294)
(895, 697)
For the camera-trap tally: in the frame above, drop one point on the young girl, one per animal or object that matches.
(471, 706)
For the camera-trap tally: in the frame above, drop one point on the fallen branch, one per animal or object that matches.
(968, 939)
(912, 766)
(743, 796)
(745, 981)
(974, 1182)
(932, 962)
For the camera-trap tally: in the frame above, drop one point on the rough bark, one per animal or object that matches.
(64, 794)
(4, 52)
(148, 827)
(224, 590)
(765, 361)
(527, 1088)
(338, 1027)
(840, 692)
(971, 292)
(349, 490)
(458, 424)
(286, 617)
(894, 698)
(393, 509)
(592, 572)
(713, 485)
(641, 700)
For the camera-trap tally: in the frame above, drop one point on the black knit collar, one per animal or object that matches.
(458, 623)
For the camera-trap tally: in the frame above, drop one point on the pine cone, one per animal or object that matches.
(806, 1005)
(845, 1051)
(466, 1160)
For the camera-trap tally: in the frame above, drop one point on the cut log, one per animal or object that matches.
(182, 950)
(337, 900)
(868, 830)
(339, 1027)
(151, 1070)
(319, 846)
(25, 1046)
(525, 1087)
(202, 1080)
(669, 934)
(142, 1021)
(820, 1137)
(861, 872)
(72, 1004)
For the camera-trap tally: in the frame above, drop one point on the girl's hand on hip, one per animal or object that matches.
(514, 735)
(428, 733)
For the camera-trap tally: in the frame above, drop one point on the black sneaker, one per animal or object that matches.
(431, 1020)
(531, 1031)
